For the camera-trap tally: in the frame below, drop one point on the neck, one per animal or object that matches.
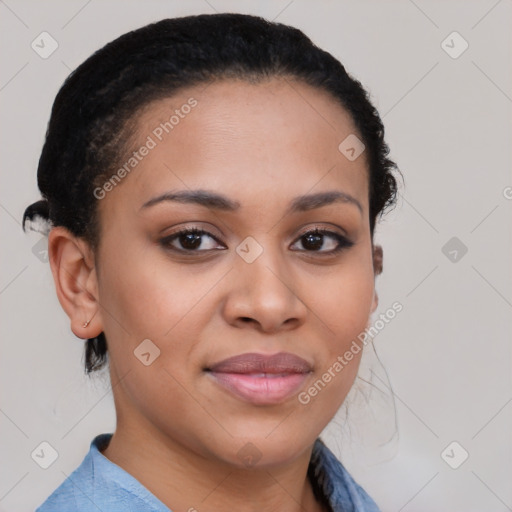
(186, 481)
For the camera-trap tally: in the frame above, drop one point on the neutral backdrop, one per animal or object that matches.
(447, 245)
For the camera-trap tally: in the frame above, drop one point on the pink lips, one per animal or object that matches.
(261, 379)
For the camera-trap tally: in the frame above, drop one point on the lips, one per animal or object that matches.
(259, 378)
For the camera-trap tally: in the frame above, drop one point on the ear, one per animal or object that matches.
(377, 269)
(74, 273)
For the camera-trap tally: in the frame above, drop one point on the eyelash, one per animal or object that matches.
(343, 243)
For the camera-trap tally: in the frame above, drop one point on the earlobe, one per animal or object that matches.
(75, 279)
(378, 257)
(375, 302)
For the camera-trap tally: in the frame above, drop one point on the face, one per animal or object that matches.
(248, 315)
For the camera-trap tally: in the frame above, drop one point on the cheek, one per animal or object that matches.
(150, 296)
(344, 304)
(155, 299)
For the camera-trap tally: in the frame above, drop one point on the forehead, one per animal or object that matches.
(278, 136)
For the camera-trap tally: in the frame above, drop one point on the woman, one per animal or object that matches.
(212, 185)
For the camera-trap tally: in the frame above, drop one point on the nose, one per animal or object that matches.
(261, 296)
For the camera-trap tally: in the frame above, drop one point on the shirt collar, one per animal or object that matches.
(331, 482)
(334, 482)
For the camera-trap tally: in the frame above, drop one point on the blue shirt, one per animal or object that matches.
(100, 485)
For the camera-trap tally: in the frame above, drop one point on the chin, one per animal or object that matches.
(264, 451)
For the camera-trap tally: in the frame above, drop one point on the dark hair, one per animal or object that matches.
(96, 109)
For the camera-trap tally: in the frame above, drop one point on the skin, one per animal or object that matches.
(178, 432)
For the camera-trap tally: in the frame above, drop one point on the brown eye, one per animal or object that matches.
(323, 241)
(190, 240)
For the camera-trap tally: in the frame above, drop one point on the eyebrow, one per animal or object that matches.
(217, 201)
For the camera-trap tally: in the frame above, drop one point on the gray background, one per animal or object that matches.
(448, 353)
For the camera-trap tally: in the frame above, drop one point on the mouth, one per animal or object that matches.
(261, 379)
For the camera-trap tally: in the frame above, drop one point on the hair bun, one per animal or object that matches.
(38, 214)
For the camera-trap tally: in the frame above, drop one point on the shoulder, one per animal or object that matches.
(336, 484)
(99, 484)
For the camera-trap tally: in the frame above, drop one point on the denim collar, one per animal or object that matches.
(99, 484)
(335, 484)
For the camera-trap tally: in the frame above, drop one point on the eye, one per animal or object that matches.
(197, 240)
(190, 240)
(324, 241)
